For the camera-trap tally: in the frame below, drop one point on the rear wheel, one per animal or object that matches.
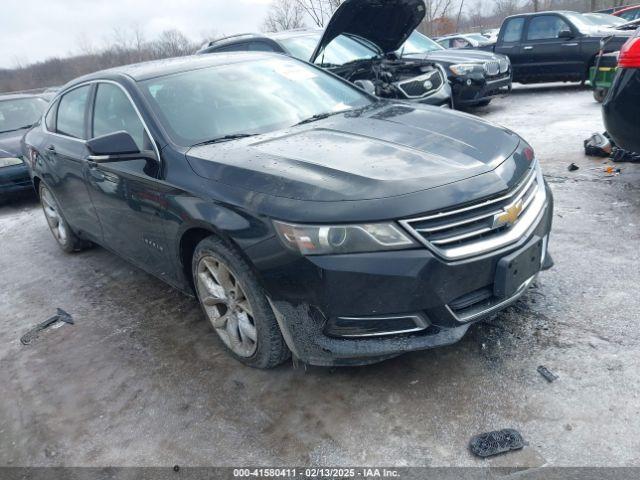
(67, 240)
(236, 305)
(599, 94)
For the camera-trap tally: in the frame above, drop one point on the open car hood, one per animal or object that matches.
(386, 23)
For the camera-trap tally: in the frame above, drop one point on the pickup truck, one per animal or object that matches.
(557, 46)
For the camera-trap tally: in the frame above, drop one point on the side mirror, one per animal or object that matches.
(566, 35)
(116, 147)
(367, 86)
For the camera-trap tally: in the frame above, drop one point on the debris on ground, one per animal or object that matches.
(60, 316)
(620, 155)
(494, 443)
(547, 374)
(609, 170)
(598, 145)
(573, 167)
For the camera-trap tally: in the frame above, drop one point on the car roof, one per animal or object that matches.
(159, 68)
(546, 12)
(241, 37)
(18, 96)
(626, 9)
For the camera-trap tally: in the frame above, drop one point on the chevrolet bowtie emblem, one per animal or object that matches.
(509, 216)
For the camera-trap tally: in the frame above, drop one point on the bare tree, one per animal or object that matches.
(320, 11)
(436, 12)
(172, 43)
(284, 15)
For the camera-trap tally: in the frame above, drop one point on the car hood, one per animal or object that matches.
(608, 31)
(10, 143)
(386, 23)
(390, 150)
(453, 56)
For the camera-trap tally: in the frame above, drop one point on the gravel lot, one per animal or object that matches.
(141, 379)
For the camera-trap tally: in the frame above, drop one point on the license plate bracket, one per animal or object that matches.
(515, 269)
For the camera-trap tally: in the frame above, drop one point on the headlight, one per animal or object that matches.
(332, 239)
(464, 68)
(10, 161)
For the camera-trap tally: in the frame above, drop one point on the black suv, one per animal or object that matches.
(359, 44)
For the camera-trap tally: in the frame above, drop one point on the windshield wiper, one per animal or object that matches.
(226, 138)
(17, 128)
(319, 116)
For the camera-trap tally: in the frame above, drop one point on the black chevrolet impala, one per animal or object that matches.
(307, 216)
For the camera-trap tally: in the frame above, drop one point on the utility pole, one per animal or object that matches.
(536, 5)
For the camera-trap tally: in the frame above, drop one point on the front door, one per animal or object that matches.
(130, 199)
(547, 56)
(509, 43)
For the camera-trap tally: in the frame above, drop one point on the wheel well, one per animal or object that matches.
(190, 239)
(36, 185)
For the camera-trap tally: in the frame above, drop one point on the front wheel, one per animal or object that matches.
(483, 103)
(64, 236)
(236, 305)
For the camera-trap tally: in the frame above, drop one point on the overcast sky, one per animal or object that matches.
(34, 30)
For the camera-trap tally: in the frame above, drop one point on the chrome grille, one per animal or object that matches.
(484, 226)
(417, 87)
(492, 68)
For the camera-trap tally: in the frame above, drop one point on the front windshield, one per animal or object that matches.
(481, 39)
(342, 49)
(418, 43)
(585, 23)
(246, 98)
(604, 20)
(20, 113)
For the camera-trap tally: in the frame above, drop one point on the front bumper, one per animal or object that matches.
(14, 179)
(474, 89)
(310, 297)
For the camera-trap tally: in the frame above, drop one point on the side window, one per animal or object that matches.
(460, 43)
(546, 27)
(261, 47)
(71, 112)
(513, 30)
(50, 119)
(113, 112)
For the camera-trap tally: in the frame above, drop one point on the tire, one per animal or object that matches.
(62, 233)
(483, 103)
(599, 94)
(236, 305)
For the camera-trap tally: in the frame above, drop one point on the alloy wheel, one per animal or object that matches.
(227, 306)
(52, 214)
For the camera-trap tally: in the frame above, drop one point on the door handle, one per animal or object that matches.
(569, 44)
(528, 47)
(51, 148)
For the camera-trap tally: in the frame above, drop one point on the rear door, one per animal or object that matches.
(66, 152)
(130, 199)
(547, 57)
(509, 43)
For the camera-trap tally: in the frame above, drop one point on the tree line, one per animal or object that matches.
(130, 46)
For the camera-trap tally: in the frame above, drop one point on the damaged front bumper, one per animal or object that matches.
(363, 308)
(474, 89)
